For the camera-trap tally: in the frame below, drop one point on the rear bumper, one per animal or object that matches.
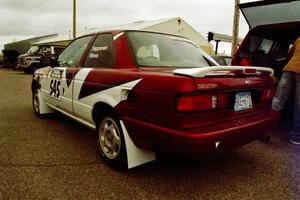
(218, 138)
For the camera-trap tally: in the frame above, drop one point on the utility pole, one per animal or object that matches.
(235, 33)
(74, 19)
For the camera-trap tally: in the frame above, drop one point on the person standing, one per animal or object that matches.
(289, 87)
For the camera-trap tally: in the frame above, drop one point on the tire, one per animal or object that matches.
(27, 70)
(111, 143)
(36, 103)
(266, 137)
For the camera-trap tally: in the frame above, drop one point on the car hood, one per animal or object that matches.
(271, 12)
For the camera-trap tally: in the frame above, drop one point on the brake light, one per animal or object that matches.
(249, 71)
(267, 94)
(203, 102)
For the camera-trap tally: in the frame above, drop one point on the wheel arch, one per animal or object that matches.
(35, 85)
(33, 63)
(135, 156)
(102, 109)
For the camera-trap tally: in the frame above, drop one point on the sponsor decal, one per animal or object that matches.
(89, 88)
(96, 49)
(56, 73)
(72, 71)
(94, 56)
(55, 90)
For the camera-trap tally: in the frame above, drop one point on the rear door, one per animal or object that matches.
(271, 12)
(93, 77)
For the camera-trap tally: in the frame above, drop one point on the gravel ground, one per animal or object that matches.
(57, 158)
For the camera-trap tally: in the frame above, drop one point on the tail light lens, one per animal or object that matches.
(207, 102)
(202, 102)
(249, 71)
(267, 94)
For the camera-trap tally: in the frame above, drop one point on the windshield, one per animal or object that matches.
(153, 49)
(33, 49)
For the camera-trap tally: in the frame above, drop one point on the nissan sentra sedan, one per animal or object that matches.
(146, 93)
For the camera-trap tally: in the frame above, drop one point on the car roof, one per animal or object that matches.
(117, 31)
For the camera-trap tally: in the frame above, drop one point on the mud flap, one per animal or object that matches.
(44, 108)
(135, 155)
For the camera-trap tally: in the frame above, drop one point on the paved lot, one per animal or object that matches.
(56, 158)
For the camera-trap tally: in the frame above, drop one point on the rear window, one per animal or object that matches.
(153, 49)
(266, 45)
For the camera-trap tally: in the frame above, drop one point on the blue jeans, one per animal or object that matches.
(289, 87)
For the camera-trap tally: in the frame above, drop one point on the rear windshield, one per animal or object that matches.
(153, 49)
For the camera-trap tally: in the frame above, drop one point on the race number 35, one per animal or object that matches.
(55, 88)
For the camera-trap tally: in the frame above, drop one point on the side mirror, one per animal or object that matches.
(48, 60)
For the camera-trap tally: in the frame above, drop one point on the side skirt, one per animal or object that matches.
(87, 124)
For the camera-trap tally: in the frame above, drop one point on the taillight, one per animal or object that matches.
(202, 102)
(267, 94)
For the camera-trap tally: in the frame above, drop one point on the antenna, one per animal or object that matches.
(235, 33)
(74, 19)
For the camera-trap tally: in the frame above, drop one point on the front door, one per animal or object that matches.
(59, 83)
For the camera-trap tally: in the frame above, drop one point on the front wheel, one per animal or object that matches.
(36, 103)
(111, 142)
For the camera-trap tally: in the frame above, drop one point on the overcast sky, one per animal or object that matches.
(22, 19)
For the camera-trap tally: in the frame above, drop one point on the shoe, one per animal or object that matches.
(295, 141)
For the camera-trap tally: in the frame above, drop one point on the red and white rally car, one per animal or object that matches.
(146, 92)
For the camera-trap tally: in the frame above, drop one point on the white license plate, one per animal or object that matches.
(242, 101)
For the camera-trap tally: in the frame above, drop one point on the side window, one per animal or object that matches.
(71, 56)
(57, 50)
(45, 50)
(101, 53)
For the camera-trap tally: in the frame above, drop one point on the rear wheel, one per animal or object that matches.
(111, 142)
(265, 138)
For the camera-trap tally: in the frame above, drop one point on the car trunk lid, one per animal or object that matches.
(271, 12)
(228, 93)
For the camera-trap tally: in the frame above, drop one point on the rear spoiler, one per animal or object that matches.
(223, 70)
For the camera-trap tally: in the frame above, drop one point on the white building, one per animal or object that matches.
(174, 26)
